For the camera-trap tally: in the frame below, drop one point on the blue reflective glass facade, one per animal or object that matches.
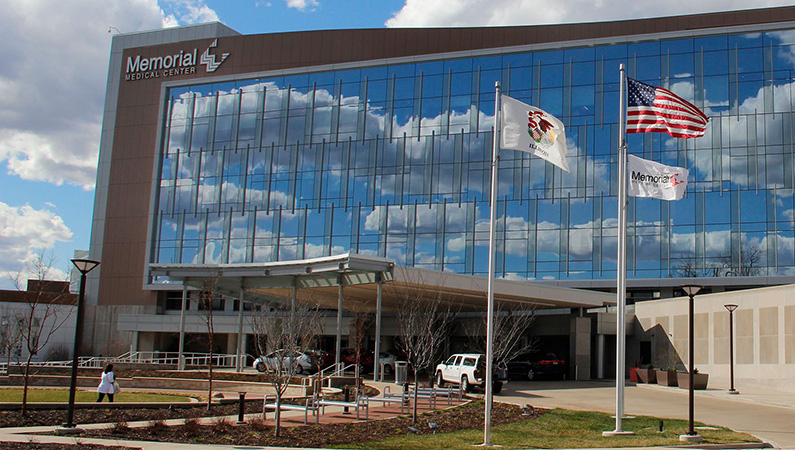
(394, 161)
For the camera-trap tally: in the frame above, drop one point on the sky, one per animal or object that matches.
(54, 66)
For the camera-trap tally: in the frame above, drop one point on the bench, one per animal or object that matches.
(408, 395)
(308, 406)
(355, 405)
(449, 392)
(403, 402)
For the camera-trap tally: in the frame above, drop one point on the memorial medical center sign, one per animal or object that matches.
(163, 66)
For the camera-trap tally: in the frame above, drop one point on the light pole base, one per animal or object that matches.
(617, 433)
(68, 431)
(733, 391)
(691, 438)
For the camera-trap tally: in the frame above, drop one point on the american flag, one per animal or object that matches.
(653, 109)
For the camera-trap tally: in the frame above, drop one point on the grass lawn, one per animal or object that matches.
(55, 395)
(560, 428)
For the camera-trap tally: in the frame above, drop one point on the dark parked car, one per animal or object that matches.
(348, 356)
(533, 366)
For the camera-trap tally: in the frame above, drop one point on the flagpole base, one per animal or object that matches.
(617, 433)
(691, 438)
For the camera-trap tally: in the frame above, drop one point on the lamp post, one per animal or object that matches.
(84, 266)
(731, 308)
(691, 290)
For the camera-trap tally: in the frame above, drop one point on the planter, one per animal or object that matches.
(699, 380)
(665, 378)
(633, 374)
(647, 375)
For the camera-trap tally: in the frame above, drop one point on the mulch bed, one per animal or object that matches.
(99, 414)
(42, 446)
(256, 432)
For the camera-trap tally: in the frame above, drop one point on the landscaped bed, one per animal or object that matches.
(458, 428)
(256, 432)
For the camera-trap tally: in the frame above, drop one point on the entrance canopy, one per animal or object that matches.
(318, 280)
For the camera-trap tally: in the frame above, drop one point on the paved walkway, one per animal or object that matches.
(767, 414)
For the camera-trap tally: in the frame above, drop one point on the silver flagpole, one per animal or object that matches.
(490, 304)
(621, 284)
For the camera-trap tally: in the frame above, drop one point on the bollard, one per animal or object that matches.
(347, 392)
(661, 426)
(241, 408)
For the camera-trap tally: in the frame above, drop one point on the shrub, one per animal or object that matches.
(191, 425)
(119, 427)
(157, 426)
(258, 424)
(222, 425)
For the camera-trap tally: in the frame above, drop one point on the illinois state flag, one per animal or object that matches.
(529, 129)
(652, 179)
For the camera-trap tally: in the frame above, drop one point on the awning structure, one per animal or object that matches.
(363, 284)
(318, 280)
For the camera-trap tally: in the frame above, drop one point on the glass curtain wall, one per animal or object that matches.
(393, 161)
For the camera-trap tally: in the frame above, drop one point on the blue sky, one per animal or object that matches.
(54, 70)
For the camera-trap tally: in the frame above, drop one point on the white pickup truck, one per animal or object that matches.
(467, 370)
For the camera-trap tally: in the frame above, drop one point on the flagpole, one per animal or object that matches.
(490, 302)
(621, 336)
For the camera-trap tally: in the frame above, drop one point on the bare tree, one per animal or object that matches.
(206, 298)
(10, 334)
(511, 323)
(41, 317)
(423, 322)
(356, 335)
(282, 336)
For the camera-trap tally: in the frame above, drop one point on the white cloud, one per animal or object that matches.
(303, 5)
(55, 65)
(25, 232)
(423, 13)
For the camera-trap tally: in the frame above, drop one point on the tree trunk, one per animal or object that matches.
(416, 391)
(278, 413)
(26, 383)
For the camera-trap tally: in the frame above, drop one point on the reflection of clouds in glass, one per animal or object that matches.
(457, 244)
(785, 52)
(316, 251)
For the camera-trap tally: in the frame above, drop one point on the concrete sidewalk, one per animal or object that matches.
(770, 415)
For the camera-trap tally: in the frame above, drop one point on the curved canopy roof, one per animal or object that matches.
(317, 281)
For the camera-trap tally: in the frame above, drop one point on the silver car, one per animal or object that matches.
(296, 361)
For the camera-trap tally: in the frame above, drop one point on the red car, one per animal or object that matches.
(348, 356)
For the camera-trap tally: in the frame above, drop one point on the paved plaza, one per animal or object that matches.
(769, 415)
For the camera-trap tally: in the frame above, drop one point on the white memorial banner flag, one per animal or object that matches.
(529, 129)
(652, 179)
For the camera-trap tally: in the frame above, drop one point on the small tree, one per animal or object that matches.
(284, 335)
(511, 322)
(10, 334)
(423, 323)
(41, 318)
(206, 298)
(356, 335)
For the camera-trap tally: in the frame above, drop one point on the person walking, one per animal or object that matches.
(106, 385)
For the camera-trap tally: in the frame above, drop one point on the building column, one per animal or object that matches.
(600, 356)
(338, 355)
(181, 357)
(240, 349)
(376, 366)
(580, 339)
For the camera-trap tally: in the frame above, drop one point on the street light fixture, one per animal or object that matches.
(84, 266)
(691, 290)
(731, 308)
